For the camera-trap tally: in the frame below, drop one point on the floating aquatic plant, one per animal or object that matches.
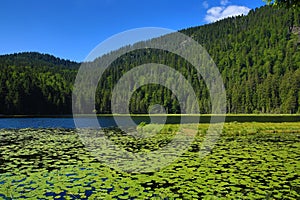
(250, 160)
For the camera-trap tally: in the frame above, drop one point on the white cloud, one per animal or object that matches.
(205, 4)
(220, 12)
(224, 2)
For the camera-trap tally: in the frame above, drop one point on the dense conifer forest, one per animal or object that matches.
(258, 57)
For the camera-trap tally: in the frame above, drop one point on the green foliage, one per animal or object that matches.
(285, 3)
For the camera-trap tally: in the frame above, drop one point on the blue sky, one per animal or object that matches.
(70, 29)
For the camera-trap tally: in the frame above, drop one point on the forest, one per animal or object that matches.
(257, 55)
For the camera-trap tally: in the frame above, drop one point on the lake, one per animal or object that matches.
(108, 121)
(68, 122)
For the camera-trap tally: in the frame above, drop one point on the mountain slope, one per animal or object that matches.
(36, 59)
(258, 56)
(34, 83)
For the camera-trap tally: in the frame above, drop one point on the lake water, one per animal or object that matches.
(68, 122)
(109, 121)
(103, 121)
(51, 122)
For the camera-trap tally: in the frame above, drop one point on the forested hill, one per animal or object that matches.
(37, 60)
(35, 83)
(258, 56)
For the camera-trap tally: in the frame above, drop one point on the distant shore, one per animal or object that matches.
(204, 118)
(141, 115)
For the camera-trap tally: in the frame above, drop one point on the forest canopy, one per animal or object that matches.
(285, 3)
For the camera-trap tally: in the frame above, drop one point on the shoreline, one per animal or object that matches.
(175, 118)
(147, 115)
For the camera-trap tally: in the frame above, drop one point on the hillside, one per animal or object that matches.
(35, 83)
(37, 60)
(258, 56)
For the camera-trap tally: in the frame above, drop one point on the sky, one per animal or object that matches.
(70, 29)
